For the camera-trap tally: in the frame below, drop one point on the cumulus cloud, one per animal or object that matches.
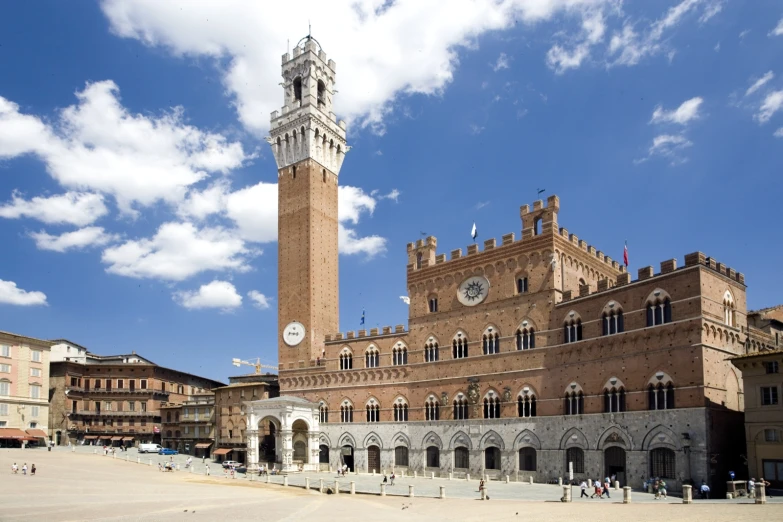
(76, 240)
(561, 58)
(350, 243)
(772, 103)
(13, 295)
(759, 83)
(97, 145)
(501, 63)
(217, 294)
(259, 300)
(682, 115)
(778, 30)
(178, 251)
(72, 208)
(778, 133)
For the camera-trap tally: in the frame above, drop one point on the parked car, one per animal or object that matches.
(231, 464)
(167, 451)
(241, 469)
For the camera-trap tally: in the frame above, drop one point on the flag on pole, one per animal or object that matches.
(474, 232)
(625, 254)
(361, 323)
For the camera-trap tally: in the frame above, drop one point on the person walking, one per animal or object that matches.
(606, 489)
(32, 470)
(656, 487)
(15, 469)
(752, 488)
(24, 469)
(704, 490)
(596, 489)
(392, 478)
(203, 459)
(662, 488)
(385, 478)
(583, 487)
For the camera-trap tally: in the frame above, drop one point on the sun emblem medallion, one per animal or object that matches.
(473, 290)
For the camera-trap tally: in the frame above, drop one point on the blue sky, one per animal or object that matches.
(138, 197)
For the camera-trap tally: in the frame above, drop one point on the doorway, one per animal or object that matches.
(373, 459)
(266, 441)
(347, 455)
(614, 463)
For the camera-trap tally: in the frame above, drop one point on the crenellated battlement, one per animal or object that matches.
(583, 246)
(341, 337)
(666, 267)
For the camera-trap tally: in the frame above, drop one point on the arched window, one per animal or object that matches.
(431, 351)
(323, 412)
(371, 357)
(577, 456)
(168, 416)
(461, 458)
(459, 347)
(373, 411)
(659, 308)
(729, 313)
(491, 406)
(660, 396)
(433, 457)
(492, 458)
(662, 463)
(418, 261)
(346, 360)
(346, 412)
(614, 399)
(432, 409)
(521, 285)
(401, 456)
(574, 403)
(321, 94)
(323, 454)
(400, 412)
(177, 434)
(526, 404)
(399, 355)
(572, 329)
(526, 338)
(527, 459)
(460, 408)
(298, 89)
(168, 433)
(491, 341)
(612, 320)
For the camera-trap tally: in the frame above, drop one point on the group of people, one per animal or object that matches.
(15, 469)
(386, 479)
(599, 488)
(752, 486)
(343, 470)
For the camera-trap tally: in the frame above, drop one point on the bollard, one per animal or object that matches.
(138, 460)
(566, 494)
(627, 495)
(373, 472)
(410, 490)
(353, 487)
(177, 467)
(729, 496)
(616, 485)
(589, 483)
(336, 487)
(307, 483)
(320, 485)
(687, 494)
(530, 480)
(761, 493)
(451, 475)
(559, 481)
(467, 476)
(443, 492)
(383, 490)
(150, 462)
(506, 479)
(414, 474)
(432, 475)
(267, 478)
(113, 454)
(285, 480)
(484, 494)
(356, 471)
(95, 451)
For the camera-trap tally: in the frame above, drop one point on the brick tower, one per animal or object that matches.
(309, 147)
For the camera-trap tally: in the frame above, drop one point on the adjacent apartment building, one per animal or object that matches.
(24, 386)
(115, 399)
(189, 427)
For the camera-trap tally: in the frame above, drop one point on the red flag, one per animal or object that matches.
(625, 254)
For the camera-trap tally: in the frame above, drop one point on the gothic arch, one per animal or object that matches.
(574, 438)
(460, 439)
(372, 439)
(527, 390)
(346, 439)
(492, 439)
(660, 437)
(432, 439)
(401, 439)
(614, 436)
(572, 315)
(323, 439)
(527, 439)
(658, 295)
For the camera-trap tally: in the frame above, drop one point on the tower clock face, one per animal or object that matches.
(293, 333)
(473, 290)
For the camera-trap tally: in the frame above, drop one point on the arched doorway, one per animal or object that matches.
(614, 463)
(323, 454)
(346, 452)
(267, 435)
(374, 459)
(300, 442)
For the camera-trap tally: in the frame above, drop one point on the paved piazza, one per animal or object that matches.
(81, 485)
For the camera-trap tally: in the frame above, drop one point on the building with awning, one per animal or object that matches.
(36, 433)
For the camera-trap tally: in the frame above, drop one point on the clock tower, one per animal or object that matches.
(309, 146)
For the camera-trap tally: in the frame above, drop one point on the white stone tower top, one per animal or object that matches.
(306, 126)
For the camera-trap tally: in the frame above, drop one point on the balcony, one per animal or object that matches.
(118, 391)
(88, 413)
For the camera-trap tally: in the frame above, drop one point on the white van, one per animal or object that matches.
(149, 448)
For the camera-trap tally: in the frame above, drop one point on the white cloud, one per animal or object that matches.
(561, 58)
(99, 146)
(350, 243)
(778, 30)
(178, 251)
(744, 33)
(759, 83)
(711, 9)
(352, 202)
(78, 239)
(717, 47)
(217, 294)
(393, 195)
(476, 129)
(778, 133)
(501, 63)
(259, 300)
(13, 295)
(72, 208)
(682, 115)
(668, 146)
(772, 103)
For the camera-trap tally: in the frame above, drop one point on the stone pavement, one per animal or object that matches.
(83, 486)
